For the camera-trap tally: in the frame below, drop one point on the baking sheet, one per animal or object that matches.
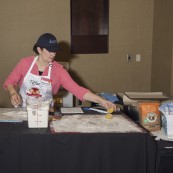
(147, 95)
(73, 110)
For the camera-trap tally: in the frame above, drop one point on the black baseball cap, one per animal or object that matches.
(48, 41)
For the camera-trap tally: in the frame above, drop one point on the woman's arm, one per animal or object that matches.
(89, 96)
(82, 93)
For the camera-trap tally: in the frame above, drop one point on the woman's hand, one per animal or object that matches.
(107, 104)
(15, 99)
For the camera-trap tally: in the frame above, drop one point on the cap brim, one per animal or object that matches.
(53, 49)
(50, 49)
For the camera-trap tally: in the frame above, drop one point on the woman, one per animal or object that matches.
(41, 76)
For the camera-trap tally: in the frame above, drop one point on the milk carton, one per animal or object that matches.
(38, 112)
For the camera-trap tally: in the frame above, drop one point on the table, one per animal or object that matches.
(24, 150)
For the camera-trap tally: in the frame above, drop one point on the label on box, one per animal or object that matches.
(149, 115)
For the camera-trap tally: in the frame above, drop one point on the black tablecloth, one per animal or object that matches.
(164, 162)
(24, 150)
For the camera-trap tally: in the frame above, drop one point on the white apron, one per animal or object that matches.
(36, 86)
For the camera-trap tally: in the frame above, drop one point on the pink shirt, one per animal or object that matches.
(59, 77)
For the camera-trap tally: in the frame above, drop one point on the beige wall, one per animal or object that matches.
(162, 47)
(130, 31)
(171, 92)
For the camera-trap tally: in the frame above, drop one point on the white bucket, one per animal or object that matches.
(38, 112)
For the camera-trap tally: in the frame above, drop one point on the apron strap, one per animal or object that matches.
(35, 59)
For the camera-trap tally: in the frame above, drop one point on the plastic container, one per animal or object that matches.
(38, 112)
